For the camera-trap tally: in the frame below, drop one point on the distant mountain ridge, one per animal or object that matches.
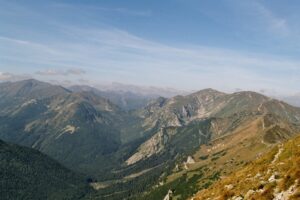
(293, 100)
(134, 149)
(126, 100)
(142, 90)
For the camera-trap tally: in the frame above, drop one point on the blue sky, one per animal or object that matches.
(185, 44)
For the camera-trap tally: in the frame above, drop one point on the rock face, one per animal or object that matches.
(181, 110)
(228, 187)
(169, 195)
(285, 195)
(249, 194)
(237, 198)
(190, 160)
(152, 146)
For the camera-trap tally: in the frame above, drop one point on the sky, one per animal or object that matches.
(228, 45)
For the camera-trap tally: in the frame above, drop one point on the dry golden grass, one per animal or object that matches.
(256, 176)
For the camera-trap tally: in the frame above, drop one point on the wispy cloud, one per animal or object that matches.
(114, 10)
(54, 72)
(112, 54)
(5, 76)
(274, 23)
(26, 43)
(125, 11)
(15, 40)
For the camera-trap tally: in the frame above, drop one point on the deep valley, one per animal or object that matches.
(182, 144)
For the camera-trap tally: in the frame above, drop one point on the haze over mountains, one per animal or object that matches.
(142, 90)
(126, 100)
(152, 100)
(144, 146)
(293, 99)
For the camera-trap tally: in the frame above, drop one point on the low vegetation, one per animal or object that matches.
(276, 176)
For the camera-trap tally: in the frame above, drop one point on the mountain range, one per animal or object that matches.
(127, 100)
(135, 146)
(293, 99)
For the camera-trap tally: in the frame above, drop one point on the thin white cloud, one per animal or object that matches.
(75, 71)
(274, 23)
(54, 72)
(126, 11)
(15, 40)
(116, 55)
(5, 76)
(28, 44)
(114, 10)
(49, 72)
(122, 43)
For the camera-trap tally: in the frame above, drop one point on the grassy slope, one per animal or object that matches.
(221, 157)
(254, 181)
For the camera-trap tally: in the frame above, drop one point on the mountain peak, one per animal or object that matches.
(211, 90)
(31, 88)
(207, 91)
(31, 80)
(30, 83)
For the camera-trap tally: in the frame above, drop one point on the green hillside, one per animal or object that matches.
(28, 174)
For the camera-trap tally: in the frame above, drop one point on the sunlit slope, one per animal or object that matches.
(275, 175)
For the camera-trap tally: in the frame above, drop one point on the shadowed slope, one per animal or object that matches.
(28, 174)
